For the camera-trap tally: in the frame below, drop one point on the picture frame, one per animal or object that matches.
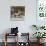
(17, 13)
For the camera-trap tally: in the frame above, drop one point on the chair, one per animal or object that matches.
(26, 37)
(14, 32)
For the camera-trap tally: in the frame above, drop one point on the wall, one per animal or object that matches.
(24, 26)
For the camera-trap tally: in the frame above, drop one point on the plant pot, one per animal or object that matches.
(40, 41)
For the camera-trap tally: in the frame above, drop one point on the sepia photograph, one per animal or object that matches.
(17, 12)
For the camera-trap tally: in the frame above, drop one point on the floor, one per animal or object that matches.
(13, 44)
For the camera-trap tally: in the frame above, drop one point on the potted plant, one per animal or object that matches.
(39, 35)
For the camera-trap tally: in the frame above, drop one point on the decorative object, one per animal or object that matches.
(17, 12)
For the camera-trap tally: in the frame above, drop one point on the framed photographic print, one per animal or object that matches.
(17, 12)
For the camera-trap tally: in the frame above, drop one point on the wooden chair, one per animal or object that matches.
(7, 34)
(27, 37)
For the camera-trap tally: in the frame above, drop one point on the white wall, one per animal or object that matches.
(30, 15)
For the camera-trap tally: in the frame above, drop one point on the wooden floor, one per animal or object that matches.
(13, 44)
